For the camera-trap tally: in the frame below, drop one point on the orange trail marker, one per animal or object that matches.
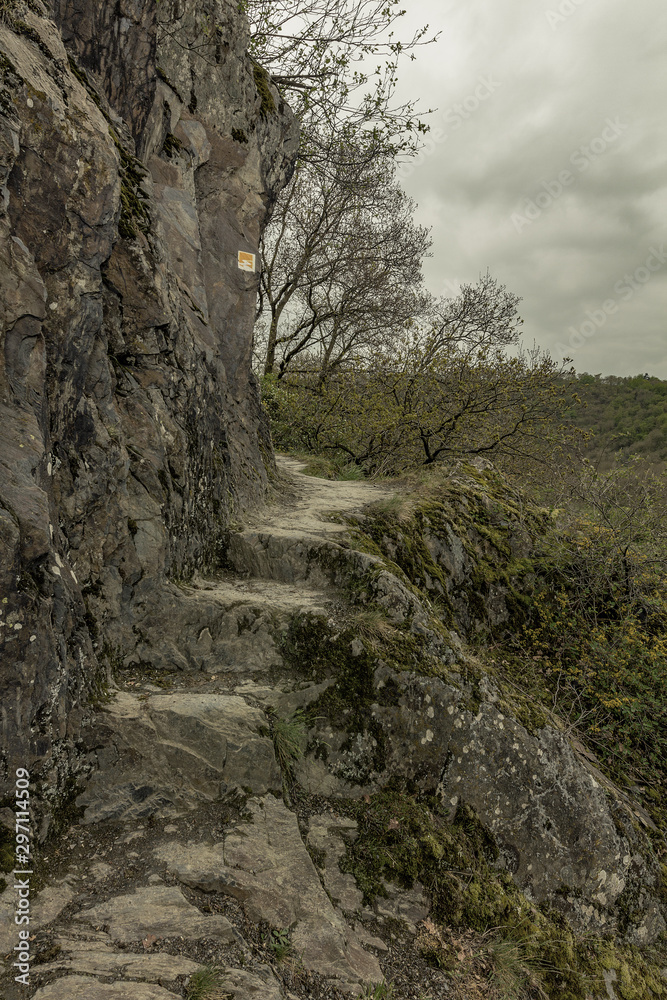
(246, 261)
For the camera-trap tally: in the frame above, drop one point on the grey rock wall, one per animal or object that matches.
(137, 156)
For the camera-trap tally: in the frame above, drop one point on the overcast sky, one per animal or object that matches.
(547, 164)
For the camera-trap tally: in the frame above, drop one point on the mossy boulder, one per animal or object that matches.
(407, 701)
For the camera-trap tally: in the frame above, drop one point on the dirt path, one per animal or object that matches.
(311, 500)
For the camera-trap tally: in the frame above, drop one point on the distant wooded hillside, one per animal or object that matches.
(626, 416)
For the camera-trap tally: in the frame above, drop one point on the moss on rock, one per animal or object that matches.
(403, 839)
(261, 77)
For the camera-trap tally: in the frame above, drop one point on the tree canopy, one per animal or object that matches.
(625, 416)
(337, 61)
(436, 391)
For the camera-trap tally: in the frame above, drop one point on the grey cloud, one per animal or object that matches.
(558, 87)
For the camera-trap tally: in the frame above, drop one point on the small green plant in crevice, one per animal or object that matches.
(378, 991)
(279, 944)
(206, 984)
(289, 740)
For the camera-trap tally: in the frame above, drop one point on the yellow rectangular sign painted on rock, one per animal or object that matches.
(246, 260)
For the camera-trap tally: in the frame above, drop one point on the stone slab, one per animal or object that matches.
(85, 988)
(266, 866)
(160, 910)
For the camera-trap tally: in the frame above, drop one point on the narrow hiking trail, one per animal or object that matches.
(186, 845)
(185, 852)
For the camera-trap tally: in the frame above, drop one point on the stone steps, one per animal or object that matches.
(167, 753)
(185, 782)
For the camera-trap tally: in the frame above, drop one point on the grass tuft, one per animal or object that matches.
(206, 984)
(373, 624)
(514, 973)
(289, 740)
(351, 473)
(399, 508)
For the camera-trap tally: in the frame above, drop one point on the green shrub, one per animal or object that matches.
(592, 640)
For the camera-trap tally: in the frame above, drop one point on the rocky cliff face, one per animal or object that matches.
(140, 150)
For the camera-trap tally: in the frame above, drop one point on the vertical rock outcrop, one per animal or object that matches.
(140, 150)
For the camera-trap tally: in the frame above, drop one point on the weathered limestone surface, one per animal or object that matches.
(81, 988)
(265, 865)
(329, 835)
(166, 753)
(100, 959)
(137, 157)
(46, 907)
(159, 910)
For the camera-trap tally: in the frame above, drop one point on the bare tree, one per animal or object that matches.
(483, 316)
(342, 266)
